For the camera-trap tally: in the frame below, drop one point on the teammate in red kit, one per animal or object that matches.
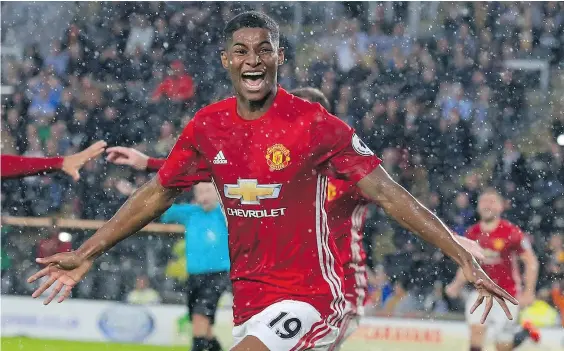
(268, 154)
(502, 242)
(22, 166)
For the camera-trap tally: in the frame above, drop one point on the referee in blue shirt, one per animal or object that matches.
(207, 261)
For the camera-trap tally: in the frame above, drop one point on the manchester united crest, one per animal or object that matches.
(277, 157)
(498, 244)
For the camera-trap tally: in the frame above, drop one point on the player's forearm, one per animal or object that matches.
(412, 215)
(531, 273)
(459, 279)
(21, 166)
(147, 203)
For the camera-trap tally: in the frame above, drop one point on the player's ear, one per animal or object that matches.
(281, 56)
(224, 59)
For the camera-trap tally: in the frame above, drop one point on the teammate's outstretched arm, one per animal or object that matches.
(127, 156)
(22, 166)
(67, 269)
(412, 215)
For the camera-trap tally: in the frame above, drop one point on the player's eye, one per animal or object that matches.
(240, 51)
(265, 50)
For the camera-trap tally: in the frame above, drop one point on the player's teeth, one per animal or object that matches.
(253, 74)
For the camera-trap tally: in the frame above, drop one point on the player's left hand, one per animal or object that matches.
(73, 163)
(66, 269)
(525, 299)
(488, 290)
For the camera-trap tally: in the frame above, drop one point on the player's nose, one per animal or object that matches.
(253, 59)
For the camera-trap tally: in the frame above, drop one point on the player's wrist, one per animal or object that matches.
(465, 259)
(87, 252)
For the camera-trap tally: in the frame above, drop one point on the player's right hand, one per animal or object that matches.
(66, 269)
(127, 156)
(73, 163)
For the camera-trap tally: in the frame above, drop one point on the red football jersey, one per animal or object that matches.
(502, 246)
(347, 210)
(270, 176)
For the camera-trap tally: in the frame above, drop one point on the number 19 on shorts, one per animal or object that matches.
(286, 328)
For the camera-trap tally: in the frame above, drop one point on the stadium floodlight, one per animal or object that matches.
(65, 237)
(560, 140)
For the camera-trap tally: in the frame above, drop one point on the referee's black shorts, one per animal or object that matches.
(203, 293)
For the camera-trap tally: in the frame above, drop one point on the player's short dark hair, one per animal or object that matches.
(491, 191)
(252, 19)
(313, 95)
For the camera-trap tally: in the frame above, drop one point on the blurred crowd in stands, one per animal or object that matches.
(433, 108)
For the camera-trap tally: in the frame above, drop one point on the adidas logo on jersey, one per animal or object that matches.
(219, 159)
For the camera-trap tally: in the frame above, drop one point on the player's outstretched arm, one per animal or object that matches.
(127, 156)
(21, 166)
(412, 215)
(67, 269)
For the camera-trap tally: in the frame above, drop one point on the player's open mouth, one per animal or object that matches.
(253, 81)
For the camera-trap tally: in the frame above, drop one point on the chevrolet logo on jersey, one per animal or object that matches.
(250, 192)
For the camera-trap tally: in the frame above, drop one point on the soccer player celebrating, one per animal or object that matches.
(22, 166)
(268, 154)
(502, 241)
(346, 211)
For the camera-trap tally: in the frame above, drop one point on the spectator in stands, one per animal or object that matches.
(457, 101)
(484, 119)
(380, 288)
(435, 301)
(510, 97)
(32, 58)
(166, 140)
(140, 36)
(42, 106)
(178, 87)
(138, 66)
(462, 214)
(510, 165)
(403, 300)
(58, 59)
(143, 294)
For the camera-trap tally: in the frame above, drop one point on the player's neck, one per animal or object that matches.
(251, 110)
(489, 226)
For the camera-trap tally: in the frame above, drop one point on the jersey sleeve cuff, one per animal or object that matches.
(57, 162)
(154, 164)
(362, 170)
